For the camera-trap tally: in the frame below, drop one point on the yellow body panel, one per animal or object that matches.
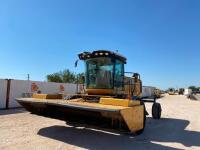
(47, 96)
(95, 105)
(119, 102)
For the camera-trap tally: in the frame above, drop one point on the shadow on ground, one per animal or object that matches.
(12, 111)
(164, 130)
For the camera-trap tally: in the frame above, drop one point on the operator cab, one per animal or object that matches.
(104, 71)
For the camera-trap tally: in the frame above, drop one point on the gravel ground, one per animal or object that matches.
(179, 128)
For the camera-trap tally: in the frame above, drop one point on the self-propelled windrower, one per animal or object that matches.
(110, 99)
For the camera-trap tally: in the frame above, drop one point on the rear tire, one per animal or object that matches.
(156, 111)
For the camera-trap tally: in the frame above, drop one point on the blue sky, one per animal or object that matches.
(160, 38)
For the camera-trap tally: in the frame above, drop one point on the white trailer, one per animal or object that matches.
(148, 91)
(187, 92)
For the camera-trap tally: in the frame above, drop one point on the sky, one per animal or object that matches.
(160, 38)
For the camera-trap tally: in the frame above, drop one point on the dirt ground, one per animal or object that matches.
(179, 128)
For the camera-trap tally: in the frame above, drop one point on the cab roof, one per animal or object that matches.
(101, 53)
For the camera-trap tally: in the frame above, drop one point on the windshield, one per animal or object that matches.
(99, 73)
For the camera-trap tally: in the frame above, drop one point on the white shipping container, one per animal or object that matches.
(3, 90)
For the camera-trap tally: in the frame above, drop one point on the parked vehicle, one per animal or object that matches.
(171, 91)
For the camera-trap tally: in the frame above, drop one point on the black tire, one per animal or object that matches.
(156, 111)
(144, 121)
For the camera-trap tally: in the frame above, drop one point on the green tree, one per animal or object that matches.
(55, 77)
(65, 76)
(193, 88)
(68, 76)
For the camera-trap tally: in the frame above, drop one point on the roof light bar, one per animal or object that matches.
(101, 53)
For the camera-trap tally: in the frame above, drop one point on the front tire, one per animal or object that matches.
(156, 111)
